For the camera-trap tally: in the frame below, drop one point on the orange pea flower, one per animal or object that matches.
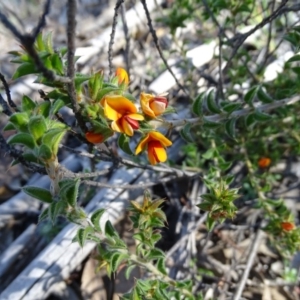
(153, 106)
(122, 76)
(155, 143)
(264, 162)
(287, 226)
(122, 112)
(94, 138)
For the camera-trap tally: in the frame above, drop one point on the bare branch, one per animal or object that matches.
(71, 15)
(42, 21)
(5, 108)
(112, 35)
(7, 91)
(239, 39)
(155, 39)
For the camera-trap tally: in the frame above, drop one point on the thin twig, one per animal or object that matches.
(250, 261)
(5, 107)
(186, 236)
(239, 39)
(112, 35)
(7, 91)
(156, 42)
(71, 25)
(42, 23)
(27, 41)
(127, 39)
(141, 185)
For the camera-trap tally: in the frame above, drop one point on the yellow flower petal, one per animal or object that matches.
(144, 100)
(111, 113)
(122, 75)
(138, 117)
(116, 126)
(158, 150)
(155, 135)
(120, 104)
(142, 144)
(126, 127)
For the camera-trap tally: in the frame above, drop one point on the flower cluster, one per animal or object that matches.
(111, 109)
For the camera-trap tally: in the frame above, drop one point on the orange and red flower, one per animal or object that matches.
(155, 143)
(122, 112)
(264, 162)
(94, 138)
(122, 76)
(153, 106)
(287, 226)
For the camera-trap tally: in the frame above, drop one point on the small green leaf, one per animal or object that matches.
(224, 166)
(57, 64)
(80, 236)
(106, 91)
(185, 133)
(294, 58)
(38, 193)
(80, 79)
(28, 105)
(250, 95)
(25, 69)
(20, 121)
(110, 230)
(231, 107)
(197, 107)
(210, 223)
(95, 218)
(209, 154)
(44, 215)
(210, 125)
(260, 116)
(56, 106)
(31, 157)
(45, 152)
(263, 96)
(161, 266)
(123, 143)
(116, 259)
(155, 254)
(9, 126)
(250, 121)
(55, 209)
(52, 138)
(44, 109)
(129, 97)
(204, 206)
(48, 42)
(211, 102)
(39, 42)
(22, 138)
(230, 127)
(37, 127)
(71, 193)
(128, 271)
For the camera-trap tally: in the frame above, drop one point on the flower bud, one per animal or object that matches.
(94, 138)
(122, 76)
(153, 106)
(287, 226)
(264, 162)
